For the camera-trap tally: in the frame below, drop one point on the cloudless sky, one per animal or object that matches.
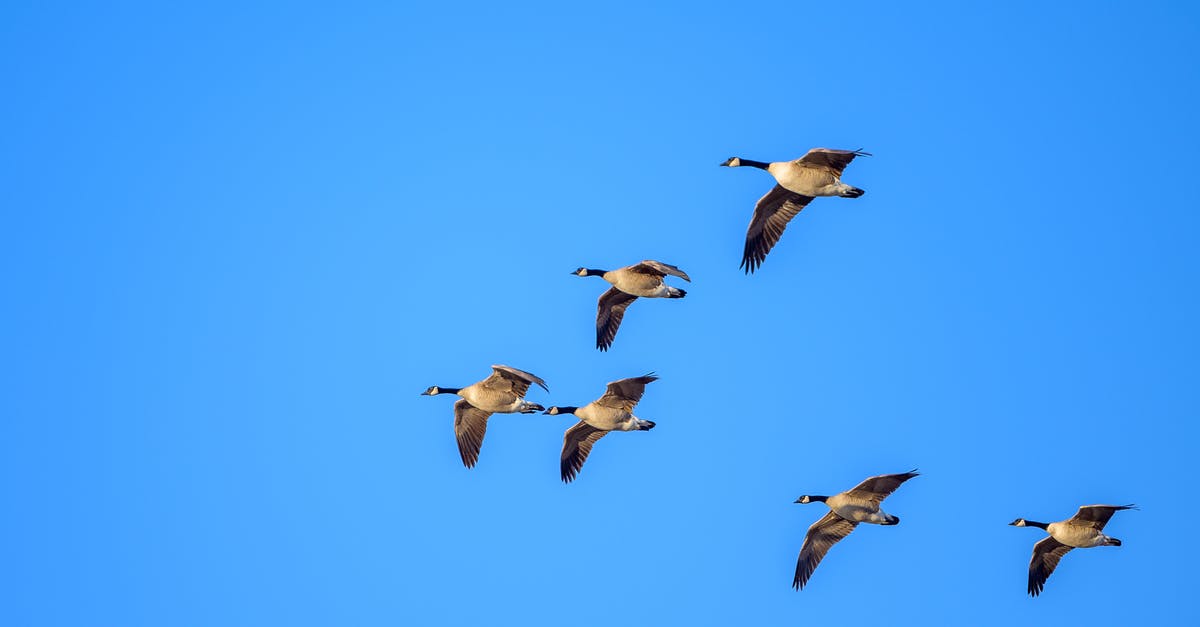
(239, 239)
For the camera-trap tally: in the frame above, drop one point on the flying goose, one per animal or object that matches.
(1081, 531)
(643, 279)
(611, 412)
(818, 173)
(846, 510)
(501, 393)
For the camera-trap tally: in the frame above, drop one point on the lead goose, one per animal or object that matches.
(1081, 531)
(858, 504)
(501, 393)
(817, 173)
(611, 412)
(644, 279)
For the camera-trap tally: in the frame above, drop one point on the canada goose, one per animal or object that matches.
(500, 393)
(611, 412)
(818, 173)
(846, 510)
(643, 279)
(1081, 531)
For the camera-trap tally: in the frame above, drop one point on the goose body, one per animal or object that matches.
(860, 504)
(858, 509)
(1084, 530)
(817, 173)
(501, 393)
(611, 412)
(641, 280)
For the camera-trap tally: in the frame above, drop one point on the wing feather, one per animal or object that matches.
(822, 535)
(507, 378)
(610, 310)
(650, 266)
(880, 487)
(771, 216)
(829, 159)
(626, 393)
(470, 424)
(1046, 555)
(1096, 516)
(577, 445)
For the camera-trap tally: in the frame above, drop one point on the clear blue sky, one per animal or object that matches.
(237, 242)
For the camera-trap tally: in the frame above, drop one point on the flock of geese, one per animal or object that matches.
(798, 182)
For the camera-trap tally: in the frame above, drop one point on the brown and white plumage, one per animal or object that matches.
(611, 412)
(1081, 531)
(821, 536)
(577, 445)
(502, 392)
(858, 504)
(817, 173)
(644, 279)
(1046, 554)
(470, 424)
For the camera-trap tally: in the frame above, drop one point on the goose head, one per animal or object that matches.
(433, 390)
(732, 162)
(1020, 522)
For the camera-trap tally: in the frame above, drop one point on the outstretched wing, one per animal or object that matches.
(470, 423)
(880, 487)
(829, 159)
(577, 445)
(650, 266)
(609, 313)
(507, 378)
(822, 535)
(626, 393)
(1045, 559)
(771, 216)
(1096, 516)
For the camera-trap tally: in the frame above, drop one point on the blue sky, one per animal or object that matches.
(238, 241)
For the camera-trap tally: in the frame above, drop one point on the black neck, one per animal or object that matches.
(754, 164)
(819, 499)
(442, 390)
(594, 272)
(567, 410)
(1030, 523)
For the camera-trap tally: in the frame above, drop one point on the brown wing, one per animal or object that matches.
(609, 313)
(1096, 516)
(832, 160)
(650, 266)
(626, 393)
(878, 488)
(507, 378)
(771, 216)
(470, 423)
(577, 445)
(1045, 559)
(822, 535)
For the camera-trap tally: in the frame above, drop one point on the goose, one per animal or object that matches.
(1081, 531)
(501, 393)
(611, 412)
(644, 279)
(846, 510)
(817, 173)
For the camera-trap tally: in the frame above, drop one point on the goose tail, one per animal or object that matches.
(852, 192)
